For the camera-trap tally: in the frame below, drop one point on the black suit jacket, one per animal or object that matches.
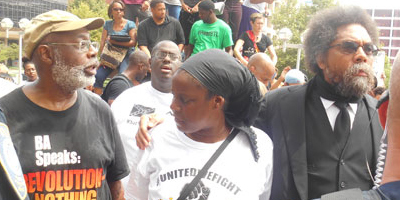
(282, 116)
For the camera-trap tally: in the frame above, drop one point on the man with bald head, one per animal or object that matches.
(61, 132)
(147, 98)
(135, 73)
(261, 65)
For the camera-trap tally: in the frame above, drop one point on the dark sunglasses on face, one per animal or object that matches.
(118, 9)
(349, 47)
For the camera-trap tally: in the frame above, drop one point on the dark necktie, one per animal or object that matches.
(342, 124)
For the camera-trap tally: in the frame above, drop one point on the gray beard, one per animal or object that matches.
(70, 78)
(355, 86)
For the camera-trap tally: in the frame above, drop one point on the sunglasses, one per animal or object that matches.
(349, 47)
(118, 9)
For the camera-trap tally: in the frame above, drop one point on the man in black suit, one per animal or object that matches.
(326, 133)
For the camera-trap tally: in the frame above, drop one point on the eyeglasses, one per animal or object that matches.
(349, 47)
(162, 55)
(118, 9)
(83, 45)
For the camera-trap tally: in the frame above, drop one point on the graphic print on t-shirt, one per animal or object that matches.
(139, 110)
(200, 192)
(63, 183)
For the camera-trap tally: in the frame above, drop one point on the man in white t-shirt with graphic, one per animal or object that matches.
(150, 97)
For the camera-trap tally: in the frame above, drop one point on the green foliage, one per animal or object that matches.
(9, 52)
(89, 9)
(295, 17)
(387, 71)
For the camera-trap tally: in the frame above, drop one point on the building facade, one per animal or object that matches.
(388, 22)
(18, 9)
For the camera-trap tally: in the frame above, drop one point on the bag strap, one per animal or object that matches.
(117, 77)
(188, 188)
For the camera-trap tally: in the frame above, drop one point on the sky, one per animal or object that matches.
(381, 4)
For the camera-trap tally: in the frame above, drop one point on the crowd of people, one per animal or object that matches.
(190, 117)
(197, 29)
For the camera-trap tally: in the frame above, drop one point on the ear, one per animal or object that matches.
(141, 66)
(321, 61)
(45, 54)
(219, 102)
(252, 69)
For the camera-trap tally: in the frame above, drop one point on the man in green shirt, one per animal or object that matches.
(209, 32)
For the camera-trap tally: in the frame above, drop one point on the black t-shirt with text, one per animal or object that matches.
(248, 46)
(66, 153)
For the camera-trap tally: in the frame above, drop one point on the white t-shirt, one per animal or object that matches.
(173, 159)
(6, 87)
(129, 107)
(260, 7)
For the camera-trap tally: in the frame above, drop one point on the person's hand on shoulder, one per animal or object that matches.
(146, 123)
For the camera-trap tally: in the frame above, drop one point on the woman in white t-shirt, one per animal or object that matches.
(214, 97)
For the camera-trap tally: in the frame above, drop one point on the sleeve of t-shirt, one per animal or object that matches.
(227, 40)
(265, 148)
(118, 169)
(131, 25)
(141, 34)
(116, 87)
(107, 25)
(390, 190)
(138, 184)
(243, 36)
(180, 37)
(269, 41)
(192, 37)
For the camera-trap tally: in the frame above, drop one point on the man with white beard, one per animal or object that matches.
(66, 139)
(326, 133)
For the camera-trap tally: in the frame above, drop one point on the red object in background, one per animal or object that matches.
(382, 107)
(382, 111)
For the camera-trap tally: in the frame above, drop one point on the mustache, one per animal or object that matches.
(91, 63)
(361, 67)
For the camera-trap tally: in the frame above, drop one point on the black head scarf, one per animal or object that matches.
(220, 73)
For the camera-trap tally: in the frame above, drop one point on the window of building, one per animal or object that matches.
(16, 10)
(393, 52)
(397, 13)
(383, 22)
(384, 33)
(396, 23)
(395, 43)
(383, 13)
(384, 42)
(396, 33)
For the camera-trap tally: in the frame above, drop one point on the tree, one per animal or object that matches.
(8, 52)
(295, 17)
(89, 9)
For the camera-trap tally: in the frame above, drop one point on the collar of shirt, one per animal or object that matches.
(332, 111)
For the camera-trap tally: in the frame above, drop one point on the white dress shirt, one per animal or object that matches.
(332, 111)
